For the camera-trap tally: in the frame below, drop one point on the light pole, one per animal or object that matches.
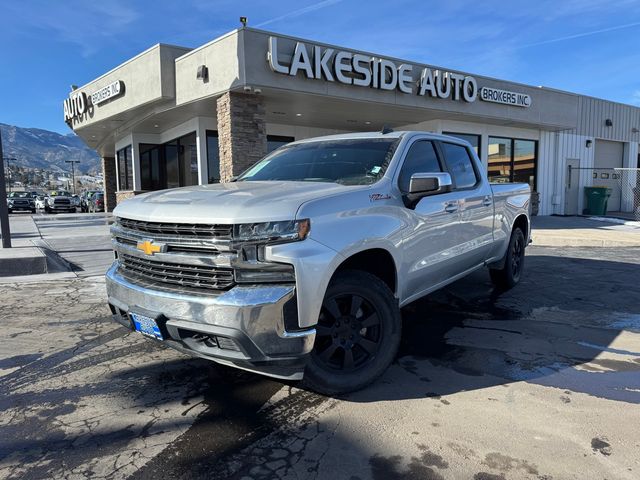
(73, 172)
(4, 208)
(9, 169)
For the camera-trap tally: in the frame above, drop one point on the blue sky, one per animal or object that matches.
(585, 46)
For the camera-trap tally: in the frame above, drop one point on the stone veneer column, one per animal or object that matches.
(242, 132)
(110, 185)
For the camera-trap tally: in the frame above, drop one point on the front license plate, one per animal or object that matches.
(146, 326)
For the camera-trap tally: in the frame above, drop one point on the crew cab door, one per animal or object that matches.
(433, 234)
(475, 205)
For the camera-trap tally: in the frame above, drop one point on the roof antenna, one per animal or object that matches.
(386, 129)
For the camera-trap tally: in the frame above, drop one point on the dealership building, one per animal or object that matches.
(174, 116)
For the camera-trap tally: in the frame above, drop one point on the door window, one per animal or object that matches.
(460, 165)
(421, 158)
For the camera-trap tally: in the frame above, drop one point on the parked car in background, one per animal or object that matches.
(299, 268)
(96, 202)
(84, 199)
(21, 201)
(40, 201)
(59, 201)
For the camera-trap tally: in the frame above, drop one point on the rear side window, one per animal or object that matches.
(421, 158)
(460, 165)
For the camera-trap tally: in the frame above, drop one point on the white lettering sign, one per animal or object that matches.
(112, 90)
(79, 103)
(75, 106)
(348, 68)
(505, 97)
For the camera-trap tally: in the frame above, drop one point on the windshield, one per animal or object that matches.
(348, 162)
(19, 195)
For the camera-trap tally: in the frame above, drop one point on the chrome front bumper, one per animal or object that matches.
(242, 327)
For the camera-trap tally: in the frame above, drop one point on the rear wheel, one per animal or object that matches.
(511, 272)
(357, 334)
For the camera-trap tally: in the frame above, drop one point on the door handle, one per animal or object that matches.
(487, 201)
(451, 207)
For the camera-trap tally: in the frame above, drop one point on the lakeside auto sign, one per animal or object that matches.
(79, 103)
(382, 74)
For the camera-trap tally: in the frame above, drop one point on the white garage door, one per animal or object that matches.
(609, 155)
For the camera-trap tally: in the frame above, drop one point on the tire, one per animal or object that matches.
(510, 274)
(33, 210)
(10, 211)
(357, 335)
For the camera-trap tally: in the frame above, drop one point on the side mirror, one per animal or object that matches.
(424, 184)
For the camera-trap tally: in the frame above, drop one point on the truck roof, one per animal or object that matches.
(376, 135)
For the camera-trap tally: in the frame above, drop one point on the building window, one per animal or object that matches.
(213, 157)
(524, 161)
(512, 160)
(125, 168)
(152, 169)
(499, 159)
(474, 140)
(170, 165)
(276, 141)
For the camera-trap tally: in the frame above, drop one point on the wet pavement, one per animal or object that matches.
(539, 382)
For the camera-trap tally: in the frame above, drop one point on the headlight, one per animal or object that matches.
(266, 272)
(288, 231)
(50, 201)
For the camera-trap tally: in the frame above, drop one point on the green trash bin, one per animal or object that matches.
(597, 198)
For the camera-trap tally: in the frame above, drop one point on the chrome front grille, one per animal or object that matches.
(176, 274)
(187, 230)
(61, 201)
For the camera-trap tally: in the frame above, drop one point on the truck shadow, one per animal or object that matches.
(555, 328)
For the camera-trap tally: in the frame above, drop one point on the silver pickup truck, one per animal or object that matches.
(298, 269)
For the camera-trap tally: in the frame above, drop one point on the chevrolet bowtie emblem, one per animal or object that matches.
(148, 247)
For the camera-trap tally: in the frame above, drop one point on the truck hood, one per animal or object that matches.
(237, 202)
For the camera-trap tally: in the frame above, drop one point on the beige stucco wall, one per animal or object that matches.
(222, 57)
(549, 107)
(147, 77)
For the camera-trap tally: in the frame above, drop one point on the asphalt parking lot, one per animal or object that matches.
(540, 382)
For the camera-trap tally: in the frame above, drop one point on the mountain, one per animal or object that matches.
(36, 148)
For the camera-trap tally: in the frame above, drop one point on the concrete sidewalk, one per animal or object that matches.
(556, 231)
(50, 247)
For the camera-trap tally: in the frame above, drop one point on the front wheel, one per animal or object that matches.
(511, 272)
(357, 335)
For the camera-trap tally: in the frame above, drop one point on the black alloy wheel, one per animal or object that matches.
(348, 334)
(517, 257)
(511, 272)
(357, 334)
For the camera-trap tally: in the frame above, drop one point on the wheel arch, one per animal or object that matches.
(376, 261)
(522, 222)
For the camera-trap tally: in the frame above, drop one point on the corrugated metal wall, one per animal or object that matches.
(556, 147)
(593, 113)
(554, 150)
